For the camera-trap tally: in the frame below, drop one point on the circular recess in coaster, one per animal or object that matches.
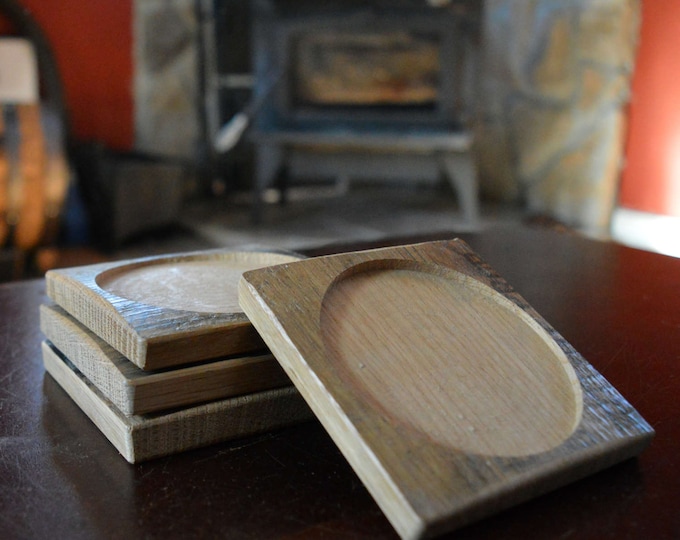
(201, 283)
(440, 353)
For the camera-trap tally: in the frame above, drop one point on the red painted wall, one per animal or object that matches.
(92, 42)
(651, 178)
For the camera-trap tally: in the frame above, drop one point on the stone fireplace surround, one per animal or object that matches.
(551, 86)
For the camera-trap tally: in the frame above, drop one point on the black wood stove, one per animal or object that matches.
(356, 89)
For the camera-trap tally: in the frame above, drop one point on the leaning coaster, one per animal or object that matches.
(135, 391)
(448, 394)
(142, 437)
(164, 311)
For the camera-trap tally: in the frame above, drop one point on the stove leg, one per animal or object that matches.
(268, 162)
(460, 170)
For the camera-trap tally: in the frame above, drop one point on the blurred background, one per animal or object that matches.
(140, 127)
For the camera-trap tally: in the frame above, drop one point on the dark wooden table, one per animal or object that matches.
(60, 478)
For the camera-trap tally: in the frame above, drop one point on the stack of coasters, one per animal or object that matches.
(157, 352)
(447, 393)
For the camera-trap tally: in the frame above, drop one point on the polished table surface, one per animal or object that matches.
(60, 478)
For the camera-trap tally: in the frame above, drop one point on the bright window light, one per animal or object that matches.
(651, 232)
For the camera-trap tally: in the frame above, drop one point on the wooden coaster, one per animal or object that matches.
(164, 311)
(135, 391)
(142, 437)
(447, 393)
